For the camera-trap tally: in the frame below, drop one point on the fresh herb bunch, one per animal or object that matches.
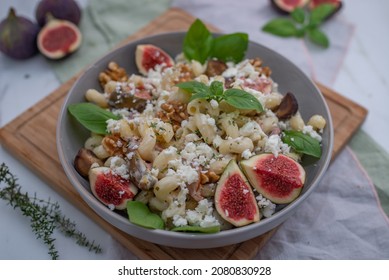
(235, 97)
(45, 216)
(199, 44)
(303, 23)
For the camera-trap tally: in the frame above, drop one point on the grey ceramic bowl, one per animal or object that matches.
(71, 136)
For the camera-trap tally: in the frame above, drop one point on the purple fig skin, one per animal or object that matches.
(59, 9)
(18, 36)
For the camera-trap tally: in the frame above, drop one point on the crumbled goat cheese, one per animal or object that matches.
(202, 215)
(179, 221)
(275, 145)
(266, 206)
(111, 207)
(113, 126)
(308, 129)
(246, 154)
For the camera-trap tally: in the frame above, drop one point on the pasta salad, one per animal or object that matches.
(191, 146)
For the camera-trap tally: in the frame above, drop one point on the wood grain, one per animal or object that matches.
(31, 138)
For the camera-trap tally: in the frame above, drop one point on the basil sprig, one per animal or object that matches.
(92, 116)
(302, 143)
(303, 23)
(140, 214)
(212, 229)
(200, 45)
(238, 98)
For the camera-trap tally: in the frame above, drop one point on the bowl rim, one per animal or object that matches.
(186, 236)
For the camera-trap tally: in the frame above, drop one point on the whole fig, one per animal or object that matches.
(60, 9)
(18, 36)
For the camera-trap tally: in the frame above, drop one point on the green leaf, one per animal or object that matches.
(242, 100)
(281, 27)
(139, 214)
(318, 37)
(197, 42)
(217, 88)
(230, 47)
(302, 143)
(198, 90)
(320, 13)
(213, 229)
(92, 116)
(298, 15)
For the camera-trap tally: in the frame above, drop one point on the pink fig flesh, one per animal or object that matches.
(149, 56)
(111, 189)
(58, 39)
(280, 179)
(287, 6)
(234, 198)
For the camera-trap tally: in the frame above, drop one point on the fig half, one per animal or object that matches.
(149, 56)
(59, 38)
(234, 198)
(287, 6)
(111, 189)
(280, 179)
(18, 36)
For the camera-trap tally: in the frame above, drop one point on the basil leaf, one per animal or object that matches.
(230, 47)
(217, 88)
(302, 143)
(213, 229)
(318, 37)
(139, 214)
(242, 100)
(320, 13)
(281, 27)
(298, 15)
(198, 90)
(92, 116)
(197, 42)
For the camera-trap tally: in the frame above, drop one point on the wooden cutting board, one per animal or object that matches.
(31, 138)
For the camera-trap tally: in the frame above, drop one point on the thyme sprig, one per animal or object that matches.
(45, 215)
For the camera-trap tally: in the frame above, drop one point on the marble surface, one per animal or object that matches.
(363, 77)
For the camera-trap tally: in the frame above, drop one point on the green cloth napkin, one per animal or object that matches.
(376, 162)
(103, 25)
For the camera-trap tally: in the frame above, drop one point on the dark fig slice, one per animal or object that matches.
(287, 6)
(59, 38)
(149, 56)
(84, 160)
(60, 9)
(261, 84)
(280, 179)
(288, 107)
(111, 189)
(234, 198)
(130, 97)
(140, 172)
(18, 36)
(215, 68)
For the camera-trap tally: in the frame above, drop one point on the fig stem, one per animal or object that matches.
(12, 13)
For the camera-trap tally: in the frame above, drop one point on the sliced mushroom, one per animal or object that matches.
(84, 160)
(215, 68)
(130, 98)
(288, 107)
(140, 173)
